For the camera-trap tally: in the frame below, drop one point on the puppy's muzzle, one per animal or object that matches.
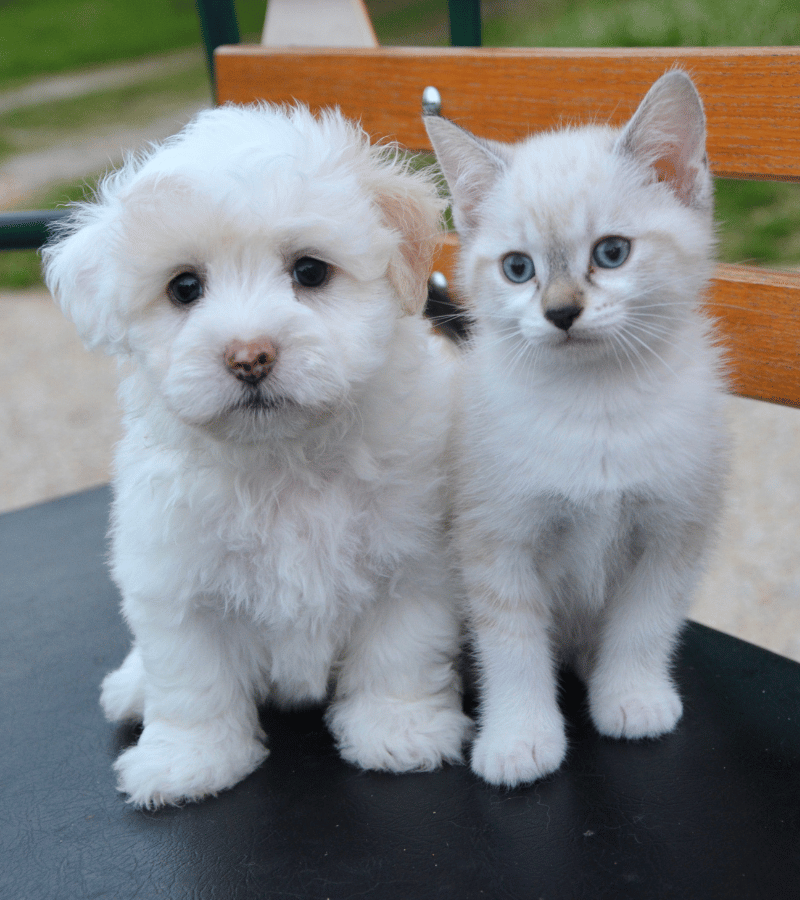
(251, 362)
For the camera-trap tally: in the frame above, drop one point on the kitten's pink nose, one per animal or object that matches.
(562, 303)
(251, 361)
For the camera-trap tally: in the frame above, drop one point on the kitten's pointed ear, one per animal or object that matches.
(668, 133)
(471, 166)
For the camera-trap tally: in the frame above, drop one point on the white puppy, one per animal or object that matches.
(279, 496)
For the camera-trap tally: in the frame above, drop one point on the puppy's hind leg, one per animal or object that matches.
(397, 705)
(122, 692)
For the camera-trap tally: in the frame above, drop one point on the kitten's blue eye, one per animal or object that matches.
(611, 252)
(310, 272)
(185, 288)
(518, 267)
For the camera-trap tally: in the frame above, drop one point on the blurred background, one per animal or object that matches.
(82, 82)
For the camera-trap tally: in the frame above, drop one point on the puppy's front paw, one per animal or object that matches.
(122, 691)
(507, 759)
(170, 764)
(648, 712)
(397, 735)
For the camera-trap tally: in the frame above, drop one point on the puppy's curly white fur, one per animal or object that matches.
(279, 493)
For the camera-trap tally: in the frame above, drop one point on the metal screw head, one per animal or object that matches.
(431, 102)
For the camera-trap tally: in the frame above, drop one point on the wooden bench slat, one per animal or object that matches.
(752, 95)
(758, 312)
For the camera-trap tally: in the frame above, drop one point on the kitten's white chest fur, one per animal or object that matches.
(582, 435)
(591, 447)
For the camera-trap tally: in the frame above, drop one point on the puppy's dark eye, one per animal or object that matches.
(518, 267)
(611, 252)
(309, 272)
(185, 288)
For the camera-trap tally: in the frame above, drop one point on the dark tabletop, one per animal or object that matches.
(711, 811)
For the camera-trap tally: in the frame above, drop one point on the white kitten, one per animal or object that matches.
(279, 494)
(591, 448)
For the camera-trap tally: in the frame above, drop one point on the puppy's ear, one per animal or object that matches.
(80, 272)
(411, 206)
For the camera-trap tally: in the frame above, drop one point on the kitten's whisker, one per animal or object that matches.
(509, 335)
(523, 351)
(726, 305)
(650, 350)
(630, 352)
(650, 328)
(613, 343)
(654, 330)
(646, 312)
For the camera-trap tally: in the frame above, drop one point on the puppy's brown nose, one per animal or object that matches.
(251, 361)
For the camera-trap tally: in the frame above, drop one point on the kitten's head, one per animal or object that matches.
(591, 242)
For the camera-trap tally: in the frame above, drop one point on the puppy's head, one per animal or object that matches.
(252, 267)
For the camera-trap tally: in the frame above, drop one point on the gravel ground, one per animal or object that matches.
(59, 421)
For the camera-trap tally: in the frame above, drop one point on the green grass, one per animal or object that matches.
(645, 23)
(759, 222)
(37, 127)
(397, 22)
(20, 269)
(45, 37)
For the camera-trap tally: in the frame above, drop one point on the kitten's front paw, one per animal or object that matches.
(649, 712)
(505, 759)
(170, 765)
(398, 735)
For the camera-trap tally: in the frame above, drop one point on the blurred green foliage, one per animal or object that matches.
(45, 37)
(646, 23)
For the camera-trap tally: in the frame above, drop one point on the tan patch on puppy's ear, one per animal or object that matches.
(410, 205)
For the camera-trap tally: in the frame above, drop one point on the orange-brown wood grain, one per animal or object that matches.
(752, 95)
(758, 316)
(752, 101)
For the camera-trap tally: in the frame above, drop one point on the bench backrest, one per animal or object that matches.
(752, 101)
